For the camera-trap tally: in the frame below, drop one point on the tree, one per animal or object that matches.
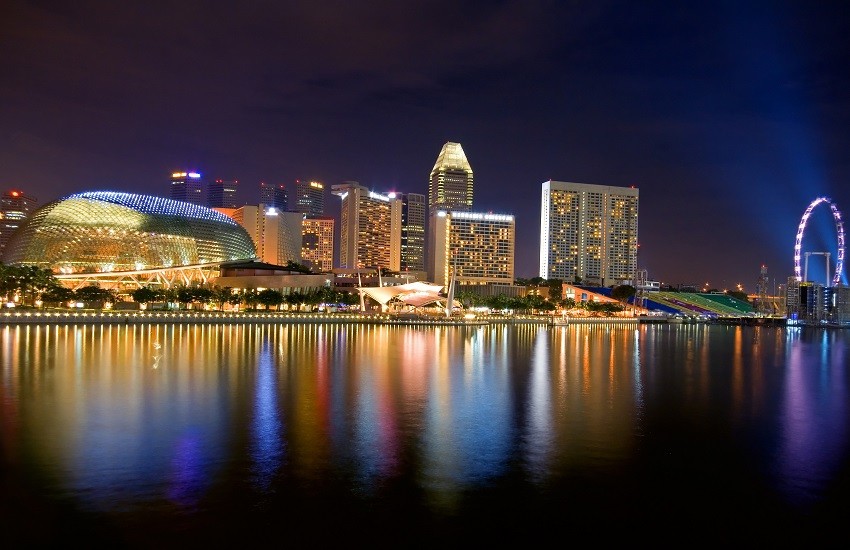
(249, 296)
(57, 295)
(94, 295)
(270, 297)
(567, 303)
(221, 295)
(556, 290)
(623, 293)
(295, 266)
(202, 295)
(168, 295)
(144, 295)
(184, 295)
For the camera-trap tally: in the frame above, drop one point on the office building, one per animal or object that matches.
(273, 195)
(222, 193)
(450, 184)
(15, 207)
(317, 242)
(588, 233)
(413, 208)
(840, 311)
(308, 197)
(370, 228)
(276, 234)
(449, 189)
(187, 187)
(477, 247)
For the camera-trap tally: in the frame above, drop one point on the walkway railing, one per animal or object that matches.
(119, 317)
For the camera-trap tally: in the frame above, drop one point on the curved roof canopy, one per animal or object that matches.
(104, 231)
(416, 294)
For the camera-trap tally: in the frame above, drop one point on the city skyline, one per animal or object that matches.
(729, 119)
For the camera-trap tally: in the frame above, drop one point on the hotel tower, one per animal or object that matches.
(370, 228)
(588, 233)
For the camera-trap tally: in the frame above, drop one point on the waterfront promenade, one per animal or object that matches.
(121, 317)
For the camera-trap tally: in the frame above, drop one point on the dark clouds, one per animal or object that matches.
(729, 117)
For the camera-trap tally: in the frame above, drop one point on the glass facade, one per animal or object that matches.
(102, 231)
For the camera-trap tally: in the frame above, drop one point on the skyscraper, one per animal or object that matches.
(273, 195)
(15, 207)
(477, 247)
(588, 233)
(412, 232)
(222, 193)
(276, 234)
(450, 184)
(370, 228)
(187, 187)
(309, 197)
(449, 189)
(317, 242)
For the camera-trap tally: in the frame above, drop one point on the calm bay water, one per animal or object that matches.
(172, 435)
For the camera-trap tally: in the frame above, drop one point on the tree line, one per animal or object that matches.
(30, 286)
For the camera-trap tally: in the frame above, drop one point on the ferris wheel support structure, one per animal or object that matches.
(798, 245)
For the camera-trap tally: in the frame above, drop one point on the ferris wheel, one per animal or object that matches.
(839, 227)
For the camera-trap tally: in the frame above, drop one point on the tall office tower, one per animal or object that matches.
(309, 197)
(317, 242)
(187, 187)
(588, 233)
(412, 232)
(273, 195)
(450, 185)
(276, 234)
(477, 247)
(449, 189)
(222, 193)
(15, 207)
(370, 228)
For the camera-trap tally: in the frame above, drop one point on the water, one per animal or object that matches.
(210, 435)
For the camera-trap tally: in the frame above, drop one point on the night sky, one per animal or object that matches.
(730, 117)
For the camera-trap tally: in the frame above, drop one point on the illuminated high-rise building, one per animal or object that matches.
(412, 232)
(588, 233)
(222, 193)
(15, 207)
(187, 187)
(450, 184)
(276, 233)
(308, 198)
(273, 195)
(477, 247)
(449, 189)
(370, 228)
(317, 242)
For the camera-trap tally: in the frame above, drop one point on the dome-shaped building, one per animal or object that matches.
(105, 232)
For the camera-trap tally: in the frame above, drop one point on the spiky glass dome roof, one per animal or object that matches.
(105, 231)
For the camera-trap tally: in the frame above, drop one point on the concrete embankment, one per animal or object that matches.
(212, 317)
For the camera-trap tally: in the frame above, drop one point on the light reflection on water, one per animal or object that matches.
(166, 417)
